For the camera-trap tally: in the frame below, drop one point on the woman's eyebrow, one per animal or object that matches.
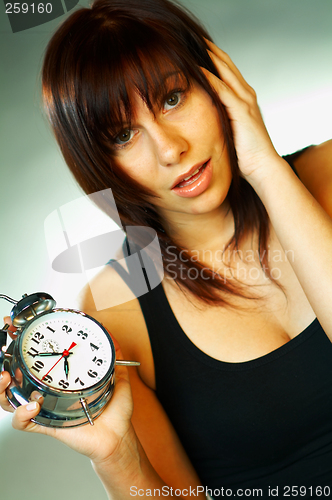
(159, 90)
(172, 73)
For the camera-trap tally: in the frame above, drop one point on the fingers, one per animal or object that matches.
(5, 380)
(228, 97)
(227, 75)
(11, 330)
(118, 353)
(252, 142)
(35, 396)
(23, 415)
(230, 74)
(121, 372)
(222, 56)
(115, 342)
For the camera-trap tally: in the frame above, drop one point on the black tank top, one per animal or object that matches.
(260, 424)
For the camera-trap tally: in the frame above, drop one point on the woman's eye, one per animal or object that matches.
(172, 100)
(124, 136)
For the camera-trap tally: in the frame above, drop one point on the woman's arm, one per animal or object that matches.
(116, 453)
(133, 448)
(152, 426)
(111, 443)
(299, 221)
(303, 227)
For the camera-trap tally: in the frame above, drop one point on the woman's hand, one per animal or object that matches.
(300, 224)
(252, 142)
(100, 441)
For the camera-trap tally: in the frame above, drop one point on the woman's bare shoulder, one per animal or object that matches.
(108, 299)
(314, 167)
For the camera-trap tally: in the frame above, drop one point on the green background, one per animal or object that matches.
(282, 47)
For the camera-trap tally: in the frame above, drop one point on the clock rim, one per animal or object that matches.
(53, 390)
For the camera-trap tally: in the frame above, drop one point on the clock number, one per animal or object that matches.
(32, 352)
(37, 337)
(92, 374)
(47, 378)
(63, 384)
(82, 334)
(67, 329)
(93, 347)
(49, 328)
(79, 380)
(97, 361)
(39, 365)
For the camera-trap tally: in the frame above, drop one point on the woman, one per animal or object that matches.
(143, 103)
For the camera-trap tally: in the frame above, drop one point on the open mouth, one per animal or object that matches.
(192, 178)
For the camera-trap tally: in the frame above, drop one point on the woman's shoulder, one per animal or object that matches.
(109, 300)
(314, 167)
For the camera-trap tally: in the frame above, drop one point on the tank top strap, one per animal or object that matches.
(136, 267)
(130, 277)
(158, 315)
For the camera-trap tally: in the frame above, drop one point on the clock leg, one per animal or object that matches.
(122, 362)
(86, 409)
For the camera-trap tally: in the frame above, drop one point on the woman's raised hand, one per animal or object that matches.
(98, 442)
(252, 142)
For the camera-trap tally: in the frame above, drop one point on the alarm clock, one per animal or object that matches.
(65, 355)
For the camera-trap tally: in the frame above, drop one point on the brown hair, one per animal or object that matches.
(92, 64)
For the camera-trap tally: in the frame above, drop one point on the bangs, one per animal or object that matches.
(94, 72)
(151, 76)
(144, 63)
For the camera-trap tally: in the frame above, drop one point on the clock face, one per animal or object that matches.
(66, 350)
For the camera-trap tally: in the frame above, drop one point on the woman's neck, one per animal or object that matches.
(209, 231)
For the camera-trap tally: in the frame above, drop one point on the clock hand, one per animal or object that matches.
(51, 354)
(65, 353)
(51, 346)
(66, 366)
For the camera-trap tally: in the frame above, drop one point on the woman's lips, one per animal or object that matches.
(191, 178)
(196, 184)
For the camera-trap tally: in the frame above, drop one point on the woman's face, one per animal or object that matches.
(181, 139)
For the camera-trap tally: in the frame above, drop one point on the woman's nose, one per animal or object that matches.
(170, 143)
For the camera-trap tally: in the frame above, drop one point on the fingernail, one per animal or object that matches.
(35, 396)
(31, 406)
(1, 377)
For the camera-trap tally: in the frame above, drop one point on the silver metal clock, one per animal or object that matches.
(65, 355)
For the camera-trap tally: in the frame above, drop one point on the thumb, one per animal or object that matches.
(23, 415)
(11, 330)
